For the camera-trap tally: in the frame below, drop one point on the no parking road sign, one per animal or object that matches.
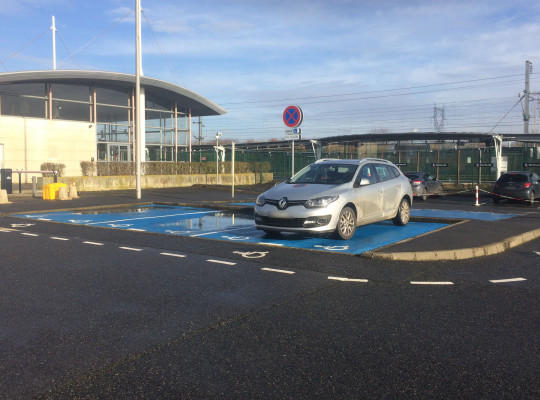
(293, 116)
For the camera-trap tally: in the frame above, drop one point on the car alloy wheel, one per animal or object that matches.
(403, 214)
(346, 224)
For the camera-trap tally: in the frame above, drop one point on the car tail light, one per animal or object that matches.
(526, 185)
(417, 182)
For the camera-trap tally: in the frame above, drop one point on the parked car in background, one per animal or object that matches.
(519, 185)
(336, 196)
(424, 185)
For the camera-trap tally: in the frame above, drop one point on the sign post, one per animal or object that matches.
(292, 117)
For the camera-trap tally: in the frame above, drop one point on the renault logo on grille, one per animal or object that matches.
(282, 203)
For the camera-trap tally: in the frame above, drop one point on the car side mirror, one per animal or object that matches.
(363, 182)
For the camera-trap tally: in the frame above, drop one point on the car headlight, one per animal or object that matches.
(261, 200)
(320, 202)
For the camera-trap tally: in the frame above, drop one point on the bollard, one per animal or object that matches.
(3, 196)
(62, 193)
(73, 191)
(477, 204)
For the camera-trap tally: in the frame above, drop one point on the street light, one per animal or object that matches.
(218, 135)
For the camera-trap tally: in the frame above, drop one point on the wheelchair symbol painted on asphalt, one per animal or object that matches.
(330, 248)
(236, 237)
(251, 254)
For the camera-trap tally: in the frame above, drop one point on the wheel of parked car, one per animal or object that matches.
(403, 214)
(346, 224)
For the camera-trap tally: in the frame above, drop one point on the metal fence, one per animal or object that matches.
(468, 165)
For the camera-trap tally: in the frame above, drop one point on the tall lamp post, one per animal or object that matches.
(218, 135)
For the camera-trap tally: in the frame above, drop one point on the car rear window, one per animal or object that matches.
(508, 178)
(412, 176)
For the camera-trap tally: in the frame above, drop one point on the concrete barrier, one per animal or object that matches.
(102, 183)
(3, 196)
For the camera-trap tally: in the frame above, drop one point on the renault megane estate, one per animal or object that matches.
(336, 196)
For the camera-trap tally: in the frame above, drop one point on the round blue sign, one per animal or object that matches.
(293, 116)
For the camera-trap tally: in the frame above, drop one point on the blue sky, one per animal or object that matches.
(353, 66)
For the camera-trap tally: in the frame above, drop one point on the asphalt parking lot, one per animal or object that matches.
(118, 313)
(474, 230)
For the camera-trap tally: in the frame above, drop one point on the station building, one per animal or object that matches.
(69, 116)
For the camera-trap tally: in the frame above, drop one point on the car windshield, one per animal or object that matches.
(509, 178)
(327, 174)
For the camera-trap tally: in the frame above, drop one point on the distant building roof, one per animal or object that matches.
(199, 105)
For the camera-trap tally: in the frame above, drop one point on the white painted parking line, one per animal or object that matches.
(431, 283)
(508, 280)
(58, 238)
(94, 243)
(337, 278)
(173, 255)
(130, 248)
(281, 271)
(29, 234)
(221, 262)
(151, 217)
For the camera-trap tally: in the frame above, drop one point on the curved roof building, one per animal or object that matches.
(69, 116)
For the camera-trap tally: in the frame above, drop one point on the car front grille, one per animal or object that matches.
(290, 203)
(280, 222)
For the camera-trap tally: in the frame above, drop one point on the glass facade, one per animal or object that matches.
(111, 110)
(24, 100)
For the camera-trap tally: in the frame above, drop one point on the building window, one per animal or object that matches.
(71, 102)
(24, 100)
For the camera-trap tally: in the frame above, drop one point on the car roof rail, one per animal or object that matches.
(376, 159)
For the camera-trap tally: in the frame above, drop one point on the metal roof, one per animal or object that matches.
(199, 105)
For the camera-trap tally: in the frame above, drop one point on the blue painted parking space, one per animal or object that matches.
(454, 214)
(232, 226)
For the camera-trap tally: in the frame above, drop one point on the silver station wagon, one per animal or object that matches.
(336, 196)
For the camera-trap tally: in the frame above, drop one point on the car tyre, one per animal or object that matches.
(346, 225)
(403, 214)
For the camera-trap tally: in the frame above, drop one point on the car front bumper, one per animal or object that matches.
(296, 219)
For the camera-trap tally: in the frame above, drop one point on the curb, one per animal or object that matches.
(458, 254)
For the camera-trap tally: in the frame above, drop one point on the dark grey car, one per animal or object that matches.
(424, 185)
(519, 185)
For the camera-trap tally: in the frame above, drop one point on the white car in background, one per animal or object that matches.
(336, 196)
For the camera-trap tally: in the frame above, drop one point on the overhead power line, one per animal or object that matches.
(22, 48)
